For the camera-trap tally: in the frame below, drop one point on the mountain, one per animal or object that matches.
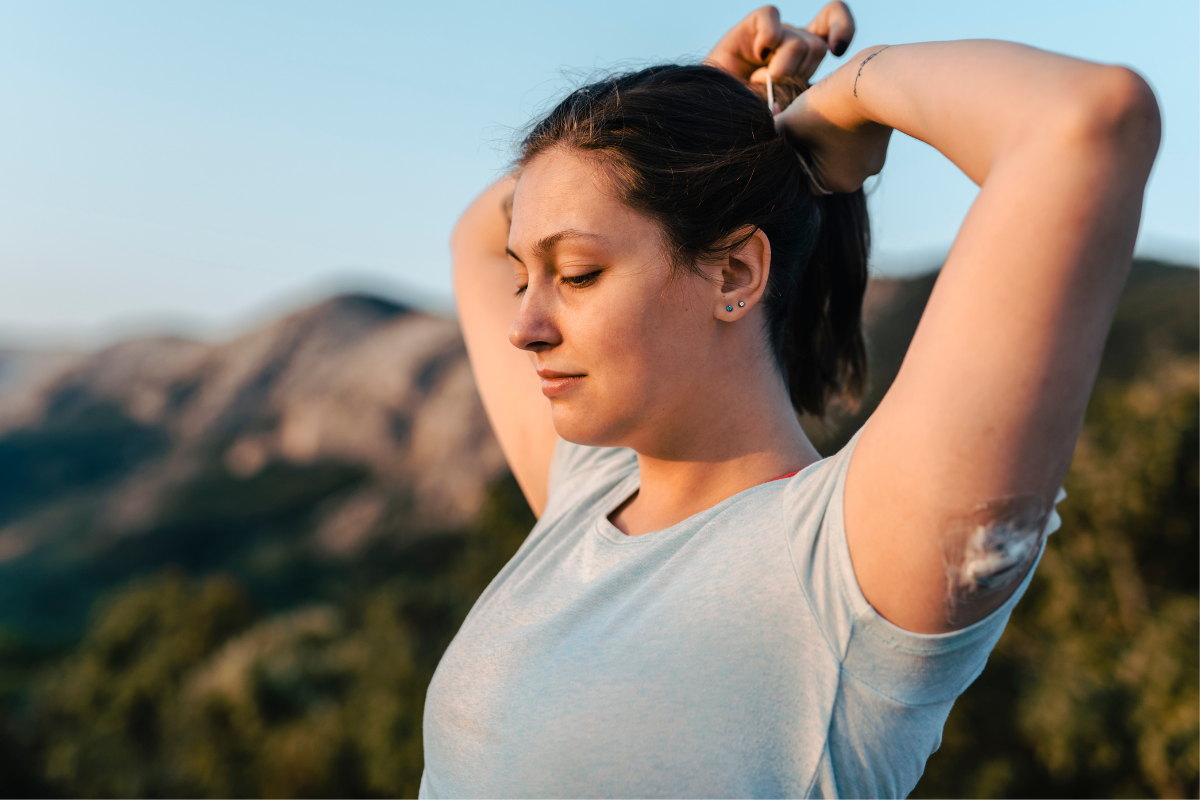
(323, 451)
(348, 429)
(1157, 318)
(283, 533)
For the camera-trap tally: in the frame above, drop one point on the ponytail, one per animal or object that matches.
(824, 354)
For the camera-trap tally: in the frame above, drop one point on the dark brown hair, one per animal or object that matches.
(696, 150)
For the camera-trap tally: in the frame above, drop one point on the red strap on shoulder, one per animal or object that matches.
(781, 477)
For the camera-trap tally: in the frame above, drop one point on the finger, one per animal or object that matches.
(835, 25)
(768, 33)
(788, 59)
(816, 51)
(799, 55)
(748, 44)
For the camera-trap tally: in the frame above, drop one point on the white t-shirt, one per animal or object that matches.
(730, 655)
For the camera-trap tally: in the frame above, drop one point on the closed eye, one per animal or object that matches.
(581, 280)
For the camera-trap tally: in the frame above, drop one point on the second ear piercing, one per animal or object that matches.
(740, 304)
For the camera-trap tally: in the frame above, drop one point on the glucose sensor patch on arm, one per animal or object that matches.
(990, 549)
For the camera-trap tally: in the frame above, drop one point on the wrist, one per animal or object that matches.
(860, 81)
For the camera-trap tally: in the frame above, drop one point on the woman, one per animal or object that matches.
(706, 607)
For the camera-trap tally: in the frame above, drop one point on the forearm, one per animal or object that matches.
(485, 293)
(482, 230)
(978, 101)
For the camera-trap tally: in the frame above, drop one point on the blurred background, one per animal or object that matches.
(248, 493)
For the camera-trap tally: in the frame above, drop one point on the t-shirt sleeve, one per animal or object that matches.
(910, 668)
(574, 465)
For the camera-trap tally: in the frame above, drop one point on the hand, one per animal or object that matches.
(844, 147)
(761, 44)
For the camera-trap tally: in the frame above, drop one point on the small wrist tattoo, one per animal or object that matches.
(863, 64)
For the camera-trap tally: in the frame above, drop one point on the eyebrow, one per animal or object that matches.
(545, 245)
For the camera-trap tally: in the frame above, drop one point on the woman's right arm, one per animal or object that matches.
(485, 294)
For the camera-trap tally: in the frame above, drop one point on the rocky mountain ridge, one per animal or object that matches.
(343, 425)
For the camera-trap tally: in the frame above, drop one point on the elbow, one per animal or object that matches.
(482, 230)
(464, 236)
(458, 235)
(1117, 110)
(1132, 117)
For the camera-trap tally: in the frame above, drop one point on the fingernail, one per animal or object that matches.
(840, 47)
(766, 53)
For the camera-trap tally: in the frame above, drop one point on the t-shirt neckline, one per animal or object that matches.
(633, 482)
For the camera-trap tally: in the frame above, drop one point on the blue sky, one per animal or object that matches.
(188, 165)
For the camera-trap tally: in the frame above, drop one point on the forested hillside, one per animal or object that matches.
(278, 537)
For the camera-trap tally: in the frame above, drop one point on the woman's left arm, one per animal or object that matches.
(954, 475)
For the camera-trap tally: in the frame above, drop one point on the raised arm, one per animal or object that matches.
(955, 472)
(487, 305)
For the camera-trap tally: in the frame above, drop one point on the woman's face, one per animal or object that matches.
(619, 342)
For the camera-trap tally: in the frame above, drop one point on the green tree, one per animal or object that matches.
(173, 690)
(314, 703)
(104, 710)
(1092, 691)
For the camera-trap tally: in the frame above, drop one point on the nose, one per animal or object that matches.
(534, 329)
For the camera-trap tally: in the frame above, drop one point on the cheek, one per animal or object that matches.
(640, 346)
(642, 341)
(611, 340)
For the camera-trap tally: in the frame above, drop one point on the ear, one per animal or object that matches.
(744, 274)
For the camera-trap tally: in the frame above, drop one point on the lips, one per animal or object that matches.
(556, 384)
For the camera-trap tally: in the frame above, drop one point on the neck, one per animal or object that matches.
(712, 454)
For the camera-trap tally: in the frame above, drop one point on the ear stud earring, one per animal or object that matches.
(741, 303)
(729, 308)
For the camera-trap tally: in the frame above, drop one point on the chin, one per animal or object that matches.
(584, 424)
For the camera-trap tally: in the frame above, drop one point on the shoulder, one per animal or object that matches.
(911, 669)
(810, 501)
(578, 470)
